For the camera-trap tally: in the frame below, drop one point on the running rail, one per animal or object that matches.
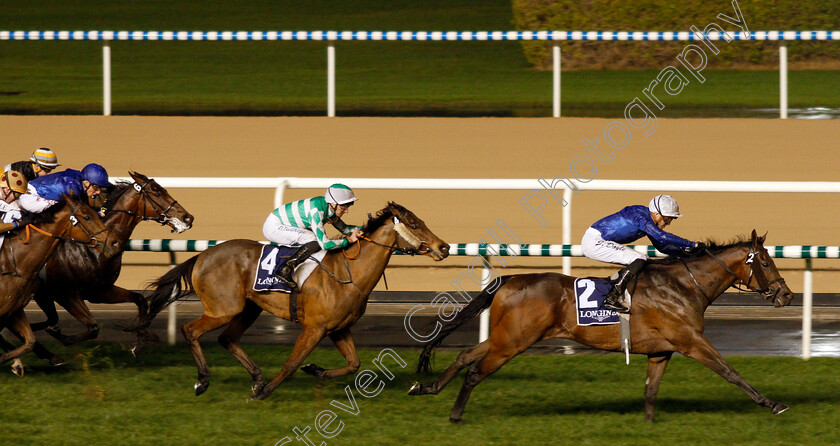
(419, 36)
(485, 251)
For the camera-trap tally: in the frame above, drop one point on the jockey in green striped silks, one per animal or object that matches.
(302, 223)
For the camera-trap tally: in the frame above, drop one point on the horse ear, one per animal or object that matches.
(762, 238)
(753, 237)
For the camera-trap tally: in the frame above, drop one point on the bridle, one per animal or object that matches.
(163, 216)
(764, 284)
(418, 249)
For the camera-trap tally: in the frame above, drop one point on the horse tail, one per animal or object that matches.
(476, 306)
(170, 287)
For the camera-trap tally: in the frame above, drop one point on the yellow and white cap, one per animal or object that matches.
(45, 157)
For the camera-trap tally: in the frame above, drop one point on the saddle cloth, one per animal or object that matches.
(271, 258)
(590, 293)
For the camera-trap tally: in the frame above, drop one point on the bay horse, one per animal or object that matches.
(668, 303)
(330, 301)
(25, 252)
(74, 273)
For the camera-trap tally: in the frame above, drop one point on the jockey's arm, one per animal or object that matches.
(321, 235)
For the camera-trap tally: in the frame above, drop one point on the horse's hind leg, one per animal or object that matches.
(306, 342)
(45, 301)
(656, 368)
(702, 350)
(19, 325)
(192, 331)
(465, 358)
(343, 341)
(230, 340)
(116, 295)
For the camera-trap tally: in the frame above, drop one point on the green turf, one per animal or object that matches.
(106, 397)
(373, 78)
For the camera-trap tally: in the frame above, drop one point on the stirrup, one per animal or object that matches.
(614, 305)
(288, 281)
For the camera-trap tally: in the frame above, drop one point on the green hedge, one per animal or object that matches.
(657, 15)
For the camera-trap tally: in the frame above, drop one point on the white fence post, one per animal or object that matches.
(484, 324)
(783, 93)
(567, 229)
(172, 314)
(807, 306)
(331, 81)
(556, 53)
(106, 79)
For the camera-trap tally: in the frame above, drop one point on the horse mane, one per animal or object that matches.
(120, 188)
(711, 245)
(47, 215)
(381, 217)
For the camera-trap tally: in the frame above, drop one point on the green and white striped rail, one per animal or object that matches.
(476, 249)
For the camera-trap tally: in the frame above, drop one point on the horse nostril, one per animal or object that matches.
(188, 219)
(444, 248)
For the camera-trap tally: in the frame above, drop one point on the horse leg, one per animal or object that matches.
(77, 308)
(306, 342)
(47, 305)
(17, 365)
(465, 358)
(39, 350)
(192, 331)
(230, 340)
(702, 350)
(117, 295)
(19, 325)
(656, 368)
(343, 341)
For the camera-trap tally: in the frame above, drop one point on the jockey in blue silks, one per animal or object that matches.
(47, 190)
(605, 238)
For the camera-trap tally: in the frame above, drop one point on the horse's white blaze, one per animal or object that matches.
(412, 239)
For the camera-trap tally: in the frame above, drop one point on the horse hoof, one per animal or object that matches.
(201, 387)
(258, 396)
(314, 370)
(779, 408)
(57, 361)
(257, 388)
(456, 420)
(18, 369)
(416, 388)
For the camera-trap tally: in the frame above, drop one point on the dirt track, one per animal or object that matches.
(686, 149)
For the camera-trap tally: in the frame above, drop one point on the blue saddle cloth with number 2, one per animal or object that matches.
(590, 293)
(271, 258)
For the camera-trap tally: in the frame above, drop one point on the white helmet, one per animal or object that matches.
(665, 205)
(339, 194)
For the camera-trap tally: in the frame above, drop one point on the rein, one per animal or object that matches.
(767, 293)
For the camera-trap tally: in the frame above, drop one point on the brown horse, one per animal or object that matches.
(74, 273)
(25, 252)
(669, 300)
(331, 300)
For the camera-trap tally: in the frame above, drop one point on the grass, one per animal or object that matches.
(106, 396)
(289, 78)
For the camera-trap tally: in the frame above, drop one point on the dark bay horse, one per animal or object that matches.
(74, 273)
(26, 251)
(223, 275)
(669, 300)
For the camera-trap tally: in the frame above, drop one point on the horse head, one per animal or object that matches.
(79, 223)
(770, 283)
(414, 237)
(158, 205)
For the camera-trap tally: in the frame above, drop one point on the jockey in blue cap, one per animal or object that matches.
(604, 240)
(47, 190)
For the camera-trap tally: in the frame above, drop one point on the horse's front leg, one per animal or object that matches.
(76, 306)
(343, 341)
(306, 342)
(19, 325)
(702, 350)
(656, 368)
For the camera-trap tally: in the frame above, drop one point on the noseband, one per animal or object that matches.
(416, 247)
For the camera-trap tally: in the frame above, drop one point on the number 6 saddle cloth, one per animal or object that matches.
(272, 257)
(590, 293)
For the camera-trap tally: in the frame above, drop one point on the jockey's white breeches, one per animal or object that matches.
(596, 248)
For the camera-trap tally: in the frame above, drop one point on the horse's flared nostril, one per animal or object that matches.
(444, 248)
(188, 219)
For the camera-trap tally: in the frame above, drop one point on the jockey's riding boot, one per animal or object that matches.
(615, 297)
(285, 272)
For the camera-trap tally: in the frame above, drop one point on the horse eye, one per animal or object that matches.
(87, 217)
(157, 194)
